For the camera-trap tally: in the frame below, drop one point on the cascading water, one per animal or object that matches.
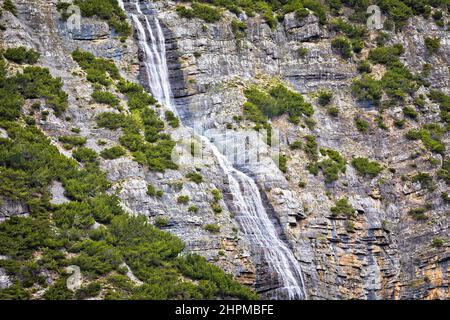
(252, 216)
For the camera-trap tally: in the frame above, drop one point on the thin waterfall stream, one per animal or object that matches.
(253, 218)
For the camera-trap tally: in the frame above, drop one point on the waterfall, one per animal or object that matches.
(154, 56)
(252, 216)
(121, 5)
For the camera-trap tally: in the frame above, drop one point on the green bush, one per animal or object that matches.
(296, 145)
(196, 267)
(282, 163)
(253, 113)
(139, 100)
(437, 243)
(132, 141)
(202, 11)
(110, 120)
(105, 97)
(333, 111)
(354, 32)
(183, 199)
(73, 141)
(21, 55)
(162, 221)
(343, 207)
(432, 45)
(58, 291)
(444, 104)
(325, 97)
(367, 89)
(10, 104)
(343, 46)
(275, 102)
(332, 165)
(89, 291)
(366, 167)
(379, 120)
(216, 208)
(38, 83)
(151, 191)
(8, 5)
(174, 122)
(98, 70)
(397, 10)
(410, 112)
(20, 237)
(267, 13)
(430, 135)
(213, 228)
(217, 194)
(193, 209)
(74, 215)
(96, 258)
(195, 177)
(386, 55)
(311, 147)
(398, 81)
(425, 180)
(364, 67)
(185, 12)
(238, 27)
(361, 124)
(108, 10)
(444, 172)
(418, 214)
(85, 155)
(113, 153)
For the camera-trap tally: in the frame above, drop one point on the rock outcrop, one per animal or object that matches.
(380, 254)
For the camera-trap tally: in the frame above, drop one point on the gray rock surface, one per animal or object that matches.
(10, 208)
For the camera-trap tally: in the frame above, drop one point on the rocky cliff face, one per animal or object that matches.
(384, 255)
(38, 26)
(388, 254)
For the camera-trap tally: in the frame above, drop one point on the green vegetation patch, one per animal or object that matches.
(113, 153)
(21, 55)
(279, 100)
(367, 89)
(105, 97)
(430, 135)
(55, 236)
(343, 207)
(107, 10)
(332, 165)
(365, 167)
(195, 177)
(98, 70)
(343, 46)
(202, 11)
(143, 130)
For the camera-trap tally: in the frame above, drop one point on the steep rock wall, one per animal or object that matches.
(388, 255)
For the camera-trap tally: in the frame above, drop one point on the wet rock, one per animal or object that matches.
(5, 281)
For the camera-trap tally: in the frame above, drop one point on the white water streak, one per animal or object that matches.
(121, 5)
(252, 215)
